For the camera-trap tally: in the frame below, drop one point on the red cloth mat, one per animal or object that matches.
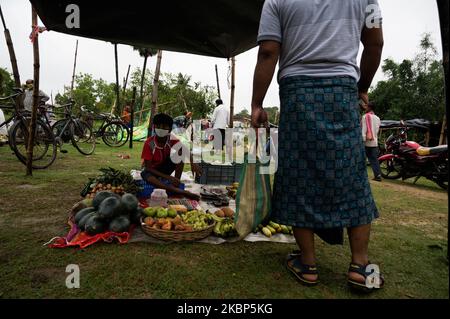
(77, 238)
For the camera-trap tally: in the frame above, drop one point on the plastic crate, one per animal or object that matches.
(219, 174)
(147, 188)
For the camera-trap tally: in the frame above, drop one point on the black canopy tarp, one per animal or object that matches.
(218, 28)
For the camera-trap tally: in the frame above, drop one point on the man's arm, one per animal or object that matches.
(269, 52)
(372, 39)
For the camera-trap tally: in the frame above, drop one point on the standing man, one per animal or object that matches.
(370, 128)
(220, 120)
(322, 181)
(28, 99)
(126, 115)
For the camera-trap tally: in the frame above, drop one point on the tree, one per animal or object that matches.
(414, 88)
(6, 83)
(243, 113)
(145, 53)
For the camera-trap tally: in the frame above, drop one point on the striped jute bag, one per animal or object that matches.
(253, 200)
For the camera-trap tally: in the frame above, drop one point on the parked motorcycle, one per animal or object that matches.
(407, 159)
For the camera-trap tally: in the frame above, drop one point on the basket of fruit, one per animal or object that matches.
(170, 225)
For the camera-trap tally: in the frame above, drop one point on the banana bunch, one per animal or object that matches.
(197, 219)
(273, 228)
(225, 228)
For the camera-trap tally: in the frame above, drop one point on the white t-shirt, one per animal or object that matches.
(318, 38)
(370, 124)
(221, 117)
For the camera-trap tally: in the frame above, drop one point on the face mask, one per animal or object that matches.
(30, 86)
(161, 133)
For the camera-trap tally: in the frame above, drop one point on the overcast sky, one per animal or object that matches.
(405, 21)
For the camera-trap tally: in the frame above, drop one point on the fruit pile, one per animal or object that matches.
(225, 226)
(110, 179)
(108, 211)
(273, 228)
(169, 219)
(232, 190)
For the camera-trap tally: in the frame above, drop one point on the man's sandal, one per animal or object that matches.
(370, 277)
(298, 269)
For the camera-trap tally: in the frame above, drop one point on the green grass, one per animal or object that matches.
(409, 241)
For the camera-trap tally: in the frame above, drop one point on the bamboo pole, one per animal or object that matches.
(218, 84)
(233, 87)
(133, 102)
(125, 82)
(12, 57)
(155, 88)
(116, 58)
(32, 127)
(141, 91)
(74, 70)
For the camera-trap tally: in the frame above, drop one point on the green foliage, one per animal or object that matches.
(272, 114)
(176, 94)
(6, 82)
(414, 88)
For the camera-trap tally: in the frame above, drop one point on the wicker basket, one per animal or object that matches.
(177, 236)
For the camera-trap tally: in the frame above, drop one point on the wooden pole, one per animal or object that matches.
(233, 87)
(155, 89)
(125, 82)
(442, 139)
(74, 70)
(116, 105)
(218, 84)
(133, 103)
(141, 91)
(12, 57)
(32, 127)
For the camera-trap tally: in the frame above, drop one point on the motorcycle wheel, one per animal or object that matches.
(390, 169)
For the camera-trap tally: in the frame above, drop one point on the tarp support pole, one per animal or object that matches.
(32, 127)
(12, 56)
(233, 88)
(74, 70)
(116, 58)
(133, 103)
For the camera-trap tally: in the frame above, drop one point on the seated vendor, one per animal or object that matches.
(158, 165)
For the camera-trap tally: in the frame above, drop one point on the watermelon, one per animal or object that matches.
(108, 208)
(95, 225)
(129, 203)
(83, 213)
(100, 197)
(120, 224)
(83, 220)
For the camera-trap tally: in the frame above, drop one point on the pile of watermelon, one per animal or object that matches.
(109, 212)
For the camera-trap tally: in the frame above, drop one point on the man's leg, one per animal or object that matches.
(359, 245)
(305, 241)
(372, 155)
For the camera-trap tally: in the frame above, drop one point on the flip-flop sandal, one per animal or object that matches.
(366, 287)
(298, 269)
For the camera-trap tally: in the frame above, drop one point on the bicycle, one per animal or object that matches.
(113, 131)
(75, 130)
(44, 140)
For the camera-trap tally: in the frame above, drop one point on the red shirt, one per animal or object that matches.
(156, 153)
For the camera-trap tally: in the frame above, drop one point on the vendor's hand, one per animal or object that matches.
(196, 170)
(259, 118)
(364, 97)
(192, 196)
(174, 181)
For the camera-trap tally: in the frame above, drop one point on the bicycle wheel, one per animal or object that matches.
(44, 150)
(57, 129)
(83, 137)
(115, 134)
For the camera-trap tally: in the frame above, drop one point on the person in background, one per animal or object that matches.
(158, 165)
(220, 120)
(370, 129)
(321, 182)
(28, 99)
(126, 115)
